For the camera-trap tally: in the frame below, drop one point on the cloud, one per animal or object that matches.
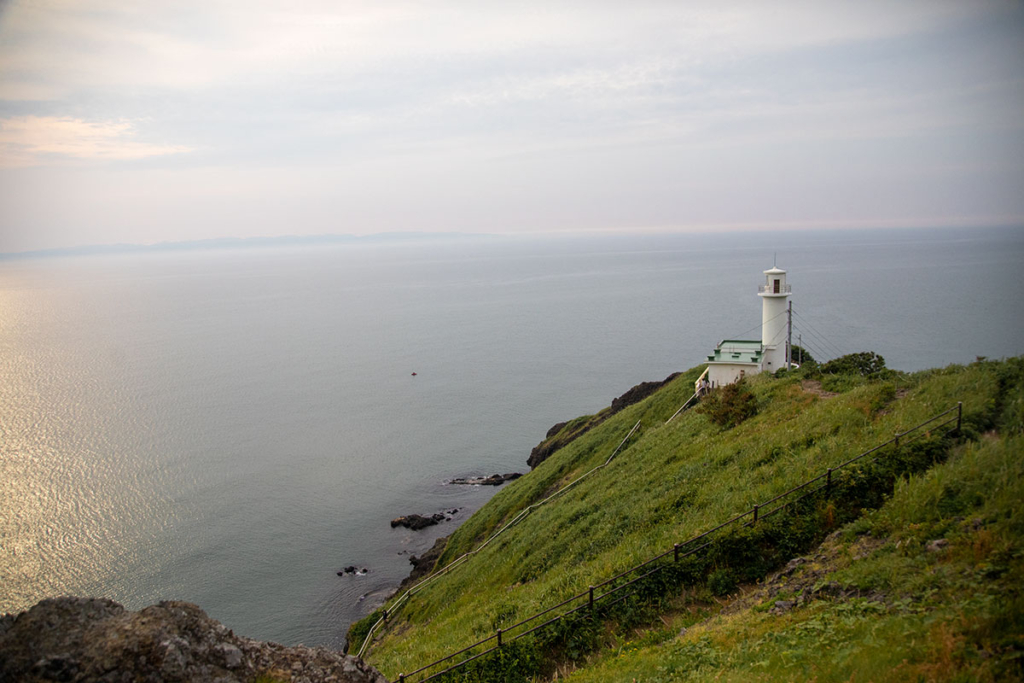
(48, 140)
(50, 49)
(537, 114)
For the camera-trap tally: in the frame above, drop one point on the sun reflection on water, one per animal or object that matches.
(71, 507)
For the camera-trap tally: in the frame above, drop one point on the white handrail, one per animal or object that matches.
(700, 388)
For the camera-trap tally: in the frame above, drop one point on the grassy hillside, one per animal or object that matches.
(673, 481)
(927, 588)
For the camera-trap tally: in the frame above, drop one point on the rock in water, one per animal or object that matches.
(92, 639)
(493, 480)
(416, 522)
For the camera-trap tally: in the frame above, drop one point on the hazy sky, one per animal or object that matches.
(150, 121)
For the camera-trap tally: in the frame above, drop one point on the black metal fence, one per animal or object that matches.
(599, 592)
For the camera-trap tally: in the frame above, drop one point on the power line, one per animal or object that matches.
(775, 339)
(828, 350)
(819, 336)
(757, 327)
(819, 354)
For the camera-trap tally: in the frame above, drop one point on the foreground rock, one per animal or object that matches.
(94, 639)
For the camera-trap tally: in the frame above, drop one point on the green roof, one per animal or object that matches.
(737, 351)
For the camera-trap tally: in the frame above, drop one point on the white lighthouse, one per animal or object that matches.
(734, 359)
(774, 295)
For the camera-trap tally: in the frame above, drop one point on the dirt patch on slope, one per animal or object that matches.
(813, 386)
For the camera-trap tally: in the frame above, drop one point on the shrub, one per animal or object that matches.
(864, 363)
(801, 355)
(730, 405)
(721, 582)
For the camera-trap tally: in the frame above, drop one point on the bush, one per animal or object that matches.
(801, 355)
(721, 582)
(730, 405)
(865, 364)
(515, 661)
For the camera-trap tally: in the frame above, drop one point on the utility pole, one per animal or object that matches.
(800, 343)
(789, 336)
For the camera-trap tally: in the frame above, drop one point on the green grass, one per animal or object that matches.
(951, 615)
(669, 483)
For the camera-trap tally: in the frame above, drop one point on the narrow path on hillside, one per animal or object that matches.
(813, 386)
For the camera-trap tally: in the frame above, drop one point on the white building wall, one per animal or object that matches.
(720, 374)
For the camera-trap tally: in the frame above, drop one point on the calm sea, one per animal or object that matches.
(233, 427)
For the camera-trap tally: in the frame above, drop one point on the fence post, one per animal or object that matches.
(385, 615)
(755, 513)
(897, 439)
(591, 598)
(675, 552)
(959, 415)
(401, 677)
(499, 637)
(828, 481)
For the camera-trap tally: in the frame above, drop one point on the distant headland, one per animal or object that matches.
(244, 243)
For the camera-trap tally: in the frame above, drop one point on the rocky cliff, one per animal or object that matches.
(91, 639)
(563, 433)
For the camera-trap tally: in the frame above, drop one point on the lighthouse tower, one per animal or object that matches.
(774, 294)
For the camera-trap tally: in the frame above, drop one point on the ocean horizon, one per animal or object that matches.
(234, 426)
